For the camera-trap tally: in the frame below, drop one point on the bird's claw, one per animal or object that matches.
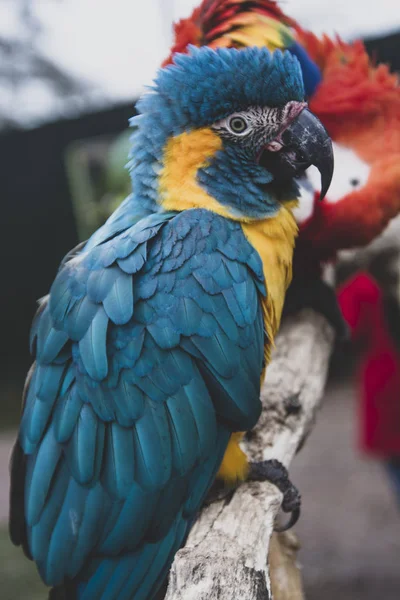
(275, 472)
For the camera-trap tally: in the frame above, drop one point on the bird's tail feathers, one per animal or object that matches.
(131, 576)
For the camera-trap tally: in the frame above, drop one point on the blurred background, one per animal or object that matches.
(70, 72)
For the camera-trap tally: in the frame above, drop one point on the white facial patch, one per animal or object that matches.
(306, 198)
(350, 173)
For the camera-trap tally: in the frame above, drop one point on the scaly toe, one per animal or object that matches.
(275, 472)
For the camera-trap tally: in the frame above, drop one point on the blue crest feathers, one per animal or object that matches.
(206, 85)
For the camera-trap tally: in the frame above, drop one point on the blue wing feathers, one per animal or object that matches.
(49, 340)
(126, 527)
(144, 313)
(133, 262)
(39, 414)
(68, 380)
(85, 448)
(135, 574)
(98, 395)
(160, 378)
(60, 296)
(48, 381)
(120, 459)
(164, 334)
(65, 532)
(149, 351)
(118, 303)
(100, 282)
(129, 400)
(219, 351)
(200, 480)
(80, 317)
(40, 322)
(40, 534)
(39, 476)
(185, 316)
(152, 448)
(158, 566)
(27, 443)
(148, 287)
(66, 414)
(89, 529)
(204, 416)
(183, 431)
(169, 504)
(92, 347)
(131, 567)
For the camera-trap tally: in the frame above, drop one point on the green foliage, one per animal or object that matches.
(18, 576)
(98, 178)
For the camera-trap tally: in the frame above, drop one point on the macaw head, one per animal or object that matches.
(359, 104)
(227, 130)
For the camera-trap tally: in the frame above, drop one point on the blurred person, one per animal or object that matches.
(370, 305)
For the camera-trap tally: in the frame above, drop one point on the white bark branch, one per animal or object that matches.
(225, 556)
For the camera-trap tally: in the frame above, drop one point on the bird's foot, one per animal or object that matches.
(274, 472)
(316, 294)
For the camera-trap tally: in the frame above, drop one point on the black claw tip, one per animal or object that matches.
(294, 517)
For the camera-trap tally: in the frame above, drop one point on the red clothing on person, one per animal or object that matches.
(361, 301)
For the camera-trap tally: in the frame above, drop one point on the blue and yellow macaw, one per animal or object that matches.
(152, 342)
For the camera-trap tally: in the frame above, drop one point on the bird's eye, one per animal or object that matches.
(237, 124)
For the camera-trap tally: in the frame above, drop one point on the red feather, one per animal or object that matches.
(214, 18)
(362, 305)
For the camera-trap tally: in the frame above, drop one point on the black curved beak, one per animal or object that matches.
(308, 139)
(304, 142)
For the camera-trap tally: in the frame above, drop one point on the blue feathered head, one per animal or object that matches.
(239, 116)
(206, 85)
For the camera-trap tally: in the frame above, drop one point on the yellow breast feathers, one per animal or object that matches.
(274, 240)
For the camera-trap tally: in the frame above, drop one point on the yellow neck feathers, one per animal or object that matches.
(184, 155)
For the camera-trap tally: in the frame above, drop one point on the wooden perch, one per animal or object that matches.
(225, 556)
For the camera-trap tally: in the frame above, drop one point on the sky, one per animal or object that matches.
(117, 45)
